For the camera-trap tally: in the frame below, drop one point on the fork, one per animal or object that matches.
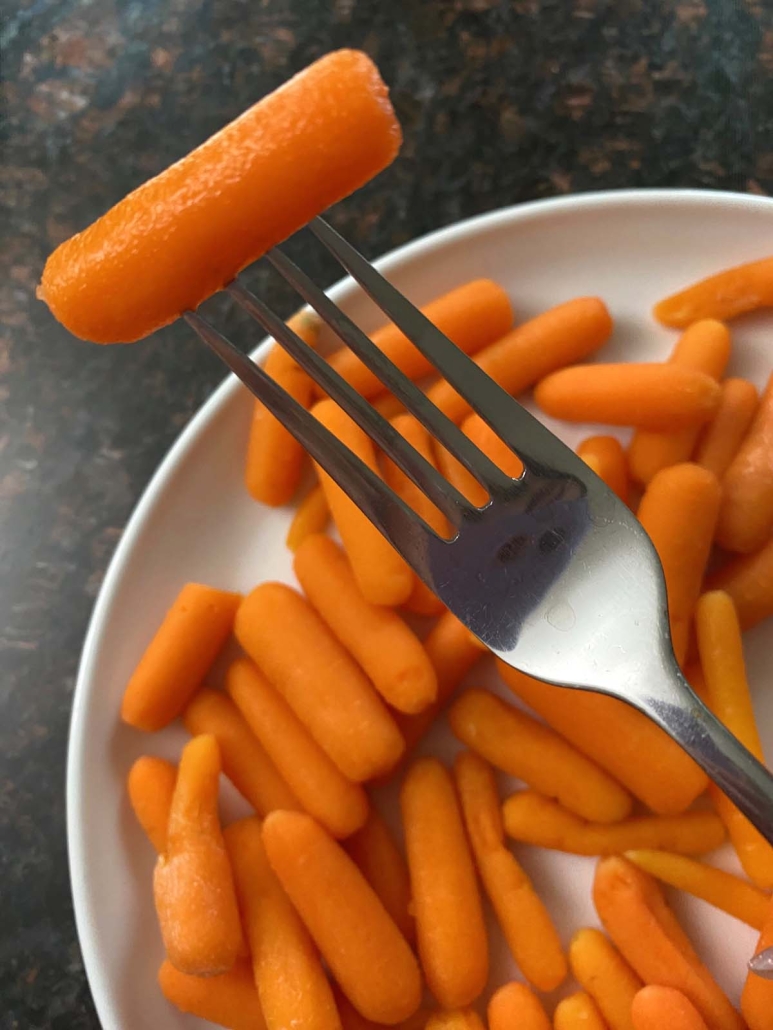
(554, 574)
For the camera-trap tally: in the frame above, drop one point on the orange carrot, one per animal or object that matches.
(722, 437)
(623, 741)
(151, 785)
(704, 347)
(533, 819)
(193, 885)
(493, 446)
(648, 396)
(603, 972)
(450, 930)
(383, 576)
(311, 516)
(352, 1020)
(679, 512)
(179, 656)
(183, 235)
(749, 582)
(532, 752)
(320, 681)
(381, 862)
(655, 1008)
(560, 336)
(514, 1005)
(637, 918)
(388, 405)
(757, 994)
(455, 1019)
(578, 1012)
(341, 806)
(228, 999)
(472, 316)
(746, 515)
(735, 291)
(293, 988)
(526, 924)
(605, 455)
(360, 942)
(376, 637)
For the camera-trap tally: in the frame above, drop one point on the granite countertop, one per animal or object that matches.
(501, 101)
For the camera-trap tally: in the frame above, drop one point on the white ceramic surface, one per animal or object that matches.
(196, 522)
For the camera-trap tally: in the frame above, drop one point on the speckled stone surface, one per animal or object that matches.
(500, 101)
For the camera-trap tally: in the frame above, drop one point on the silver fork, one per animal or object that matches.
(554, 574)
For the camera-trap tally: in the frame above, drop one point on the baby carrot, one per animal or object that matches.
(192, 884)
(381, 862)
(527, 927)
(732, 292)
(746, 515)
(637, 918)
(351, 1019)
(704, 347)
(320, 681)
(388, 405)
(383, 576)
(721, 438)
(656, 1007)
(514, 1005)
(186, 233)
(533, 819)
(578, 1012)
(311, 516)
(621, 740)
(532, 752)
(472, 316)
(560, 336)
(360, 942)
(679, 512)
(493, 446)
(455, 1019)
(228, 999)
(603, 972)
(179, 656)
(605, 455)
(151, 785)
(749, 582)
(376, 637)
(757, 994)
(723, 890)
(322, 789)
(450, 930)
(293, 988)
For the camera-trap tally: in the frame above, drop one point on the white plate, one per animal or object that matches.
(196, 522)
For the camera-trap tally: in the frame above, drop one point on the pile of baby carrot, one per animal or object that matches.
(310, 914)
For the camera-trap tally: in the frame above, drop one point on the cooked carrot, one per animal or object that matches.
(731, 292)
(578, 1012)
(450, 930)
(228, 999)
(151, 785)
(311, 516)
(351, 1019)
(472, 316)
(388, 405)
(293, 988)
(605, 455)
(179, 656)
(721, 438)
(514, 1005)
(730, 893)
(656, 1007)
(192, 884)
(455, 1019)
(533, 819)
(183, 235)
(526, 924)
(376, 637)
(757, 994)
(319, 785)
(358, 939)
(746, 515)
(704, 347)
(635, 914)
(722, 661)
(679, 512)
(381, 862)
(493, 446)
(749, 581)
(623, 741)
(532, 752)
(320, 681)
(603, 972)
(560, 336)
(383, 576)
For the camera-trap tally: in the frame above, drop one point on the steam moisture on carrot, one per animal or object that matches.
(193, 886)
(366, 953)
(179, 656)
(514, 1005)
(320, 681)
(228, 999)
(185, 234)
(721, 438)
(757, 994)
(151, 785)
(381, 862)
(605, 455)
(732, 292)
(603, 972)
(749, 582)
(578, 1012)
(655, 1008)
